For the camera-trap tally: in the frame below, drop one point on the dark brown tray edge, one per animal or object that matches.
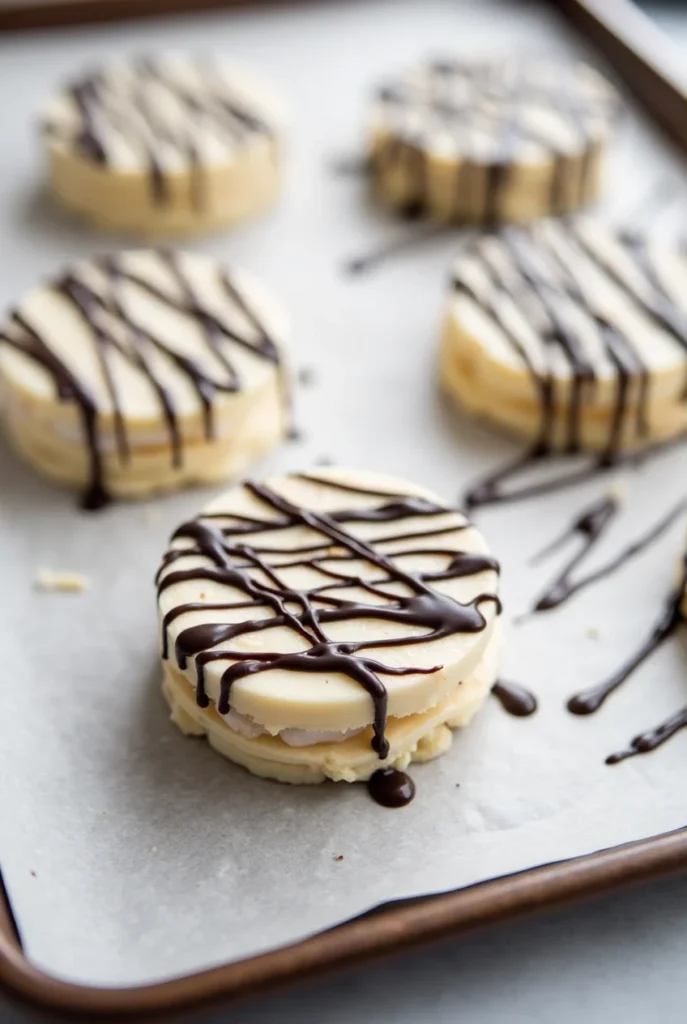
(623, 45)
(358, 941)
(60, 13)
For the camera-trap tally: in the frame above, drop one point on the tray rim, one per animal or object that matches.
(432, 918)
(366, 938)
(18, 15)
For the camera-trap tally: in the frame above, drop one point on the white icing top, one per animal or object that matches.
(125, 327)
(163, 114)
(510, 111)
(566, 297)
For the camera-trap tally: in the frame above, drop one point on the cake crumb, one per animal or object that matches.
(618, 490)
(338, 857)
(61, 582)
(593, 632)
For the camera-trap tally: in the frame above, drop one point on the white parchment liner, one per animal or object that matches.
(131, 853)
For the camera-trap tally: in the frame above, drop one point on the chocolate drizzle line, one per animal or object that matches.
(131, 109)
(487, 491)
(652, 738)
(103, 311)
(590, 525)
(423, 233)
(514, 698)
(237, 559)
(541, 276)
(441, 112)
(350, 166)
(588, 701)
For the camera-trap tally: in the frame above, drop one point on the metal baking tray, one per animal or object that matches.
(610, 25)
(375, 935)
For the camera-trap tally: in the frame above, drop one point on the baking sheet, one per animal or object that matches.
(132, 854)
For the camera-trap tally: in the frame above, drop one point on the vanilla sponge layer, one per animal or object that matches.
(453, 190)
(49, 435)
(507, 396)
(116, 200)
(414, 738)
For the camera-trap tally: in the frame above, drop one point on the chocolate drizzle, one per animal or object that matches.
(165, 113)
(488, 492)
(391, 788)
(590, 525)
(411, 239)
(544, 273)
(99, 300)
(588, 701)
(514, 698)
(235, 556)
(652, 738)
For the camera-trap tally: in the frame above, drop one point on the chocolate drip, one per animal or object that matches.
(129, 110)
(232, 560)
(559, 332)
(514, 698)
(86, 96)
(99, 309)
(590, 525)
(654, 302)
(625, 360)
(652, 738)
(542, 383)
(391, 788)
(69, 389)
(588, 701)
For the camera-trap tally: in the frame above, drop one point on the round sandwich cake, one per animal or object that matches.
(138, 373)
(571, 335)
(170, 145)
(510, 140)
(324, 625)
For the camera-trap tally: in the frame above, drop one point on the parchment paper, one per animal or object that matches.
(131, 853)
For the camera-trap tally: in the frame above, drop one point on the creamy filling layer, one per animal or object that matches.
(292, 737)
(108, 440)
